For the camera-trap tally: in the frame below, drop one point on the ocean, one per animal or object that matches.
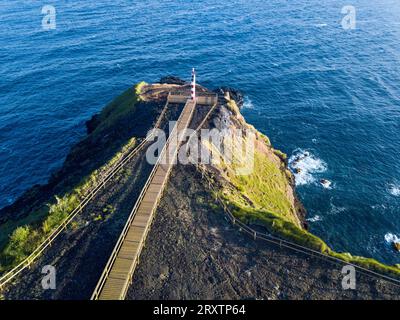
(327, 96)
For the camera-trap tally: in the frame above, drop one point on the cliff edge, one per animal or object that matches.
(193, 250)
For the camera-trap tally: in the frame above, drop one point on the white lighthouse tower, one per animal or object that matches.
(193, 90)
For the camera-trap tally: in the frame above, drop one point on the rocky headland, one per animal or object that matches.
(193, 251)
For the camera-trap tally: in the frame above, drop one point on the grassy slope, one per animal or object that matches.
(118, 108)
(261, 198)
(18, 238)
(266, 187)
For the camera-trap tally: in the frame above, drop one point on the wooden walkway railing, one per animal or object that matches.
(27, 262)
(208, 99)
(117, 275)
(283, 243)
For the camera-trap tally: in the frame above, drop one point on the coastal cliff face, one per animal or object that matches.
(260, 178)
(192, 251)
(110, 134)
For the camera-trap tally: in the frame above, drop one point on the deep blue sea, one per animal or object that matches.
(326, 94)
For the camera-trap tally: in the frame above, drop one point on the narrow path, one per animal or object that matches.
(118, 272)
(193, 252)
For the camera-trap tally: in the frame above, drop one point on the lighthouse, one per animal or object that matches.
(193, 90)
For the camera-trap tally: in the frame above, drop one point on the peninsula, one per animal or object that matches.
(217, 230)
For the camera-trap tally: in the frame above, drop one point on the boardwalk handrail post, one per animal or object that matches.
(102, 281)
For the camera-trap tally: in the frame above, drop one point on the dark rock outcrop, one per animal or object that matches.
(92, 123)
(233, 93)
(172, 80)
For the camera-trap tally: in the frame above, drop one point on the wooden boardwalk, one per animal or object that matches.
(119, 270)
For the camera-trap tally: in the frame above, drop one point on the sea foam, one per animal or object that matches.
(316, 218)
(394, 190)
(307, 164)
(390, 238)
(247, 103)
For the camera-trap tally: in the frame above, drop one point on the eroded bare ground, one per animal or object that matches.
(193, 252)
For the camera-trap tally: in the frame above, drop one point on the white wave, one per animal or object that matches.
(316, 218)
(326, 184)
(305, 165)
(336, 209)
(378, 206)
(247, 103)
(321, 25)
(394, 190)
(390, 238)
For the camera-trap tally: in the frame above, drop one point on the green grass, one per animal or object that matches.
(109, 209)
(22, 243)
(59, 211)
(265, 139)
(98, 217)
(7, 228)
(119, 108)
(20, 238)
(138, 89)
(289, 231)
(266, 188)
(368, 263)
(280, 154)
(278, 226)
(261, 198)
